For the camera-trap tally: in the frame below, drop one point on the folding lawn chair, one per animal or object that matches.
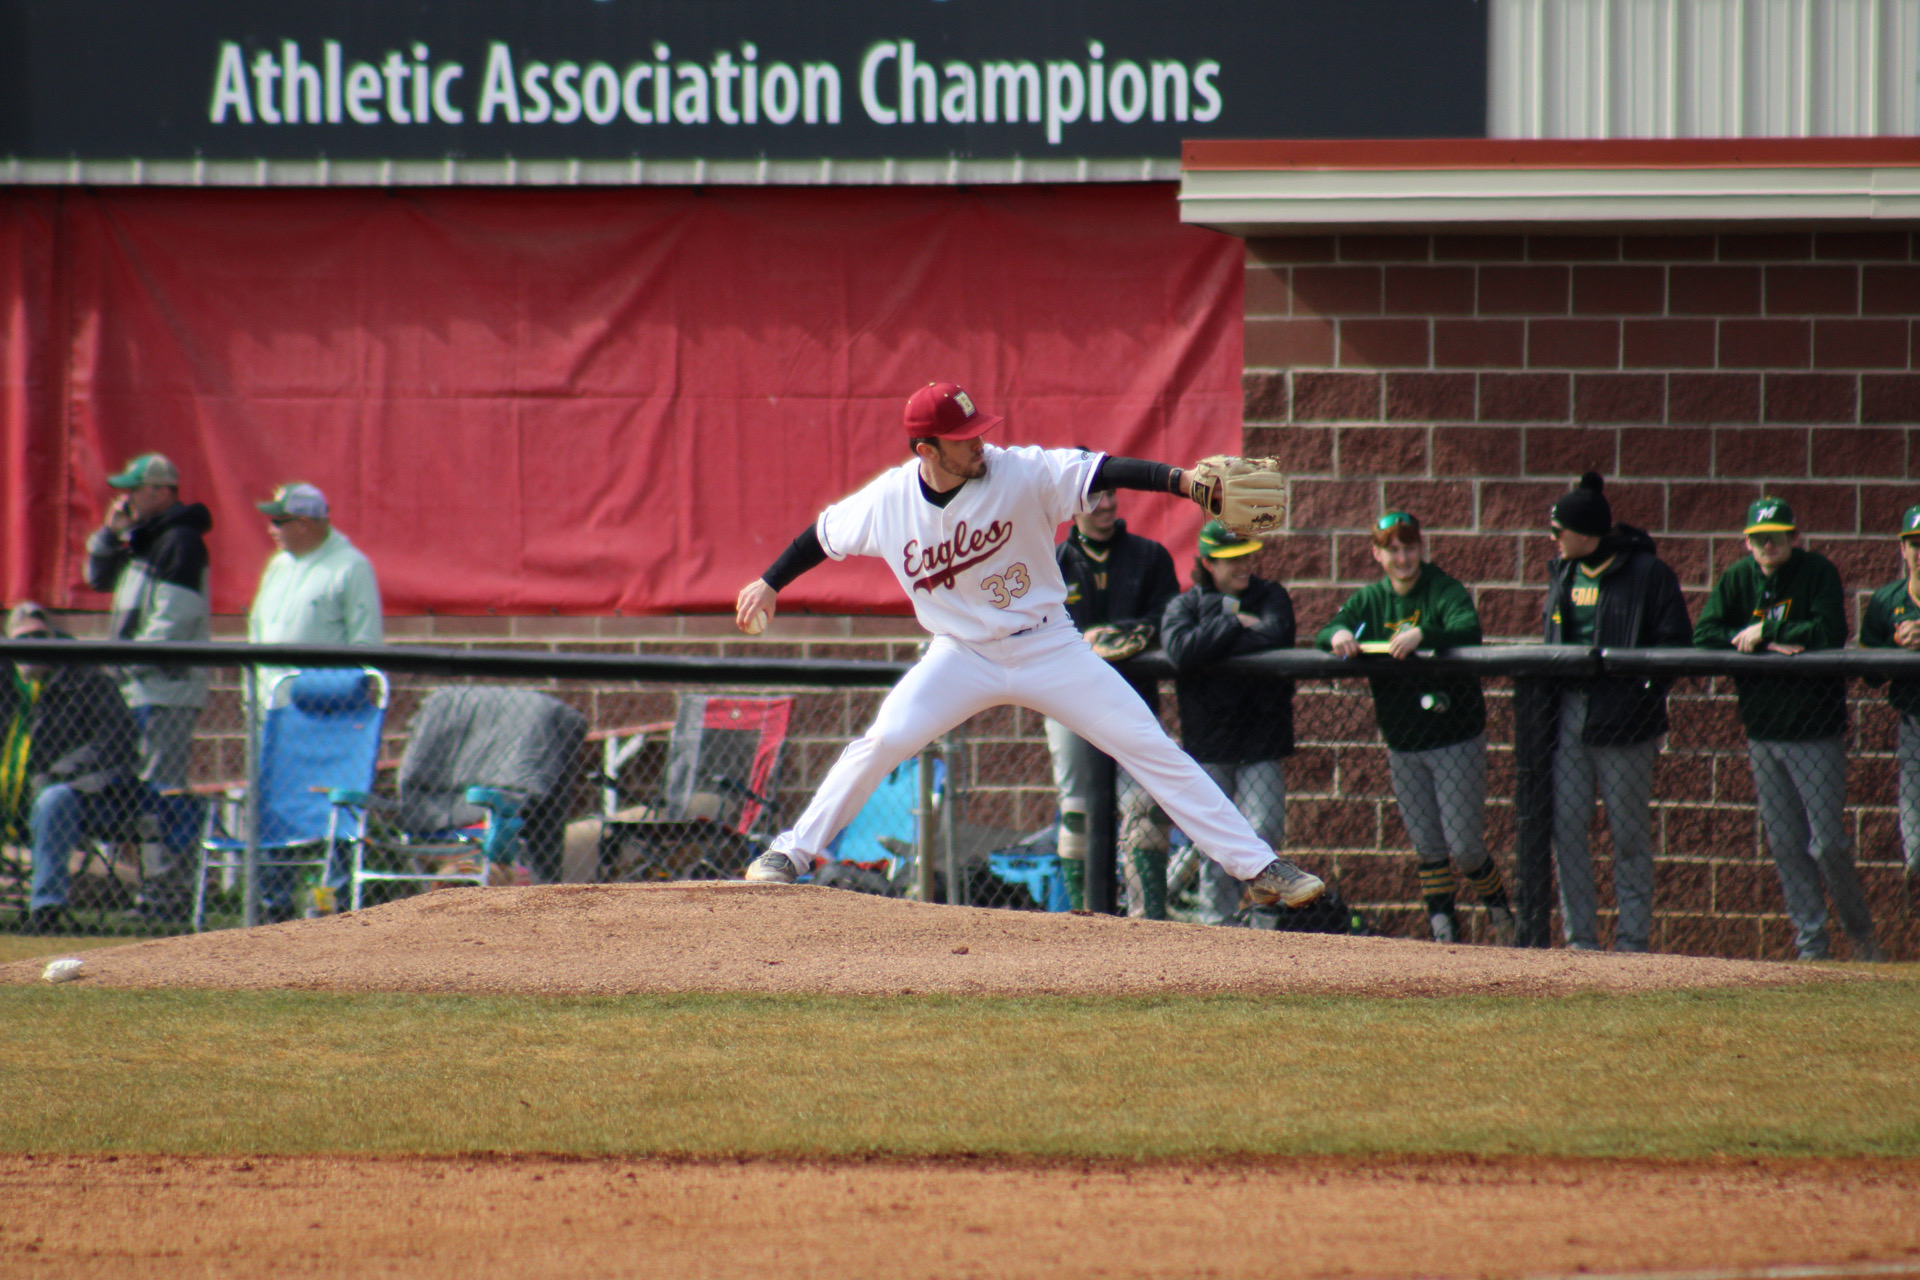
(321, 731)
(723, 764)
(486, 781)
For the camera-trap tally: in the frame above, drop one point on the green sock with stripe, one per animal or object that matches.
(1437, 888)
(1487, 885)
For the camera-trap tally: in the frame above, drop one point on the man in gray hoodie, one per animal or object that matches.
(152, 555)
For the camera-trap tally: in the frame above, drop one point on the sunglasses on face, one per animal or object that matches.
(1391, 519)
(1767, 539)
(277, 521)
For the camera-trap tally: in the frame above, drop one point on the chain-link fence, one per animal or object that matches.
(1528, 794)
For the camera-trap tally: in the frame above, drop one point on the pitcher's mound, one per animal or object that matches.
(731, 936)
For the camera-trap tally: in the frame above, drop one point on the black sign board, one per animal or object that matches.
(724, 79)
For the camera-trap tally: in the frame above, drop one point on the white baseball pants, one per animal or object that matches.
(1052, 670)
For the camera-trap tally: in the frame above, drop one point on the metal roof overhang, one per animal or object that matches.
(1294, 187)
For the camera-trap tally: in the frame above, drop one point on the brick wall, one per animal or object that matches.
(1469, 379)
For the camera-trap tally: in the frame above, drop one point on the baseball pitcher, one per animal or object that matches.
(967, 529)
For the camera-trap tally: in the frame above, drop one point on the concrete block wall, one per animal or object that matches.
(1470, 379)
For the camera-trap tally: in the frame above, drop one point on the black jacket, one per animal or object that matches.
(1230, 717)
(170, 546)
(1138, 578)
(1640, 608)
(81, 733)
(158, 575)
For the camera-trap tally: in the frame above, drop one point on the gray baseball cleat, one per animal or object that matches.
(1284, 883)
(772, 868)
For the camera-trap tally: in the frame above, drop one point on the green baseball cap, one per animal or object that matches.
(1910, 522)
(1769, 515)
(1217, 542)
(148, 468)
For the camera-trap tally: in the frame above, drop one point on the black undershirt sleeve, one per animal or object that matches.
(802, 554)
(1135, 473)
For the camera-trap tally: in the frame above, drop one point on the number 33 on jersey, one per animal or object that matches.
(980, 568)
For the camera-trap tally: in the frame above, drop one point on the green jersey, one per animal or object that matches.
(1801, 604)
(1892, 605)
(1424, 711)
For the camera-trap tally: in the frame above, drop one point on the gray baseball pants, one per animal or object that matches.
(1623, 776)
(1907, 751)
(167, 833)
(1443, 801)
(1138, 819)
(1259, 790)
(1801, 791)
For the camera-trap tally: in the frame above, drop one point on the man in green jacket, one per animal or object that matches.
(1435, 726)
(1892, 621)
(1785, 600)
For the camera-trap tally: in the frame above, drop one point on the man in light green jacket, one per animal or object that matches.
(317, 589)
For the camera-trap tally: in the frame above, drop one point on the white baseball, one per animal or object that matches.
(757, 623)
(65, 969)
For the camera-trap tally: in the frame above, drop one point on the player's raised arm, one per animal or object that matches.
(757, 602)
(1248, 495)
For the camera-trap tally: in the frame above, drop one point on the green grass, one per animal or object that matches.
(1828, 1070)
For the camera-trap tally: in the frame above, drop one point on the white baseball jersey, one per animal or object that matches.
(981, 568)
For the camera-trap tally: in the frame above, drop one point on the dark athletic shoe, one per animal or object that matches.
(1284, 883)
(772, 868)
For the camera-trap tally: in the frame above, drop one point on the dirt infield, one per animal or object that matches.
(169, 1216)
(532, 1216)
(730, 936)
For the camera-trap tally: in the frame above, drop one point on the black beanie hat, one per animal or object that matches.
(1584, 508)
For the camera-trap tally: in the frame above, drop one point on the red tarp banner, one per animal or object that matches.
(582, 401)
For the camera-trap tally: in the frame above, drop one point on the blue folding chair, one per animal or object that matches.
(321, 731)
(889, 823)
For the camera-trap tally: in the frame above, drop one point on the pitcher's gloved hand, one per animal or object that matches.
(1248, 495)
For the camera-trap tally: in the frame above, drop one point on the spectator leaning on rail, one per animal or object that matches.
(317, 589)
(67, 752)
(1237, 727)
(1892, 620)
(1782, 599)
(152, 555)
(1118, 585)
(1435, 726)
(1607, 589)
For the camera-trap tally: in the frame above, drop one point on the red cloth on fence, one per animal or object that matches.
(583, 400)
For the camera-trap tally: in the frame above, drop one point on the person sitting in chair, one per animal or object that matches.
(68, 756)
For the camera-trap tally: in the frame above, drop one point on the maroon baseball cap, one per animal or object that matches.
(945, 412)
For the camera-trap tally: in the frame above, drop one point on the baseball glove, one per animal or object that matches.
(1117, 644)
(1248, 495)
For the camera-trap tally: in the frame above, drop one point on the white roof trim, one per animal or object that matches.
(583, 173)
(1293, 201)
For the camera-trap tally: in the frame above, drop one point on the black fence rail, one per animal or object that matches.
(1681, 800)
